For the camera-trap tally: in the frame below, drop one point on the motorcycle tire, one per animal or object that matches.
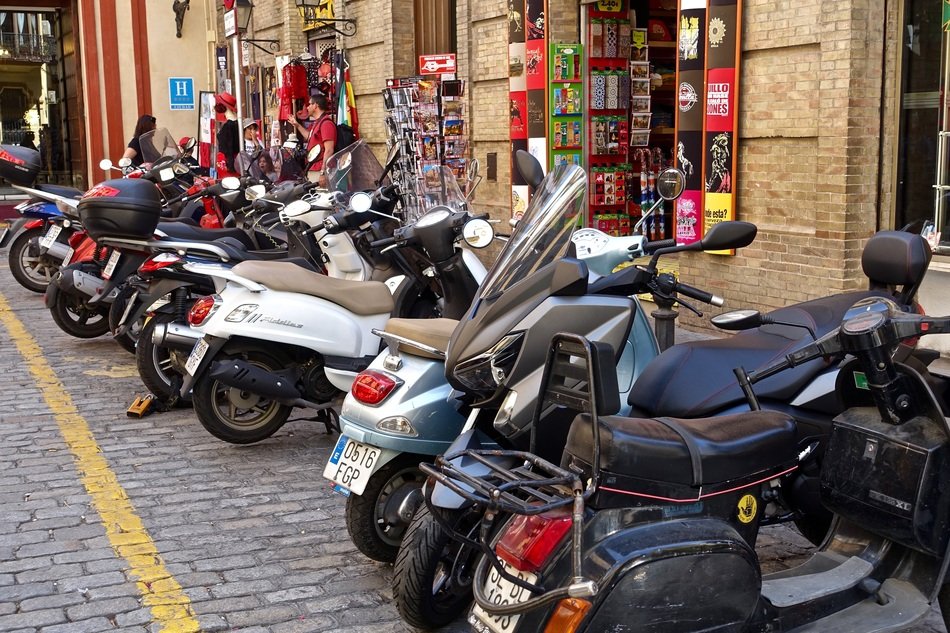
(156, 365)
(373, 519)
(429, 591)
(129, 339)
(237, 416)
(75, 317)
(33, 273)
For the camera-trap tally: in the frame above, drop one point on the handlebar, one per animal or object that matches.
(668, 285)
(649, 247)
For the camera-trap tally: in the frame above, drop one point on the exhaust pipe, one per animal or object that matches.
(179, 336)
(57, 251)
(78, 282)
(242, 375)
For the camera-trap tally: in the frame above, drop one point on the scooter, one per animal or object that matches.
(642, 519)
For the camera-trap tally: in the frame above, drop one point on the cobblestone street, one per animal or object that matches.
(233, 538)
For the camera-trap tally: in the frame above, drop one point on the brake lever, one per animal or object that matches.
(688, 307)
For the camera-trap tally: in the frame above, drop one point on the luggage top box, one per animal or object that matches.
(19, 165)
(123, 207)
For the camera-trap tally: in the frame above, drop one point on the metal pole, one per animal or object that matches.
(236, 52)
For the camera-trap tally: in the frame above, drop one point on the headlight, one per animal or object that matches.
(487, 371)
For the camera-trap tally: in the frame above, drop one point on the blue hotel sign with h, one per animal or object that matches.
(181, 93)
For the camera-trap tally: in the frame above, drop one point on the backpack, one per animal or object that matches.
(344, 136)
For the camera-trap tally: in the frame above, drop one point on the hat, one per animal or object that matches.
(248, 123)
(224, 101)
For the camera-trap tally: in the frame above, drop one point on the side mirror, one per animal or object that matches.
(670, 183)
(738, 320)
(529, 168)
(105, 164)
(361, 202)
(189, 145)
(727, 235)
(231, 183)
(478, 233)
(254, 192)
(125, 162)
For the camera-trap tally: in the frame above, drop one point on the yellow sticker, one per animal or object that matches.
(747, 508)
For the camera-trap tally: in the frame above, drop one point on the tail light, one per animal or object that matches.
(568, 615)
(530, 540)
(33, 224)
(372, 387)
(76, 239)
(201, 310)
(157, 262)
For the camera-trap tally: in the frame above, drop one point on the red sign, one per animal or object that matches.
(437, 64)
(228, 4)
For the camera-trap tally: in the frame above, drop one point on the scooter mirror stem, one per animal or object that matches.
(746, 385)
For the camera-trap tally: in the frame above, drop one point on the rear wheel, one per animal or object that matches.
(158, 365)
(432, 576)
(33, 272)
(378, 518)
(77, 318)
(235, 415)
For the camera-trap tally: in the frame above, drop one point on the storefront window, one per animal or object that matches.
(923, 50)
(435, 27)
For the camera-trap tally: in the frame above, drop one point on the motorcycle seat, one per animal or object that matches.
(182, 231)
(58, 190)
(359, 297)
(695, 379)
(432, 332)
(687, 452)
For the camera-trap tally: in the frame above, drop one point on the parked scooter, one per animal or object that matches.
(655, 513)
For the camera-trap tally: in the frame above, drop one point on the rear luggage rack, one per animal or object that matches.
(574, 377)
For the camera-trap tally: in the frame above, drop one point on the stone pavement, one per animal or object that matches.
(252, 535)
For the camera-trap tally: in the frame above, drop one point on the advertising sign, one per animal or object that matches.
(181, 93)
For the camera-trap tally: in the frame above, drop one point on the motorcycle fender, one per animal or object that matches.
(672, 570)
(442, 497)
(51, 295)
(214, 346)
(12, 231)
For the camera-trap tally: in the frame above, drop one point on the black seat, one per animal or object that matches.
(695, 379)
(694, 452)
(57, 190)
(182, 231)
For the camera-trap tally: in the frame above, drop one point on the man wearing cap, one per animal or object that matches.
(322, 132)
(228, 136)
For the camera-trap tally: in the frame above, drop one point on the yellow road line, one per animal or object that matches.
(171, 608)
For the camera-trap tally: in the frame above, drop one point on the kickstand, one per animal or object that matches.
(329, 417)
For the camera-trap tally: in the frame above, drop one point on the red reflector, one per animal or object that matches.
(200, 310)
(529, 540)
(76, 239)
(33, 224)
(162, 260)
(372, 387)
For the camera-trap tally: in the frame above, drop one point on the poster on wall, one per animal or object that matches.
(527, 85)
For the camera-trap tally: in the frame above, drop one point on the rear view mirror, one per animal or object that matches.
(738, 320)
(125, 162)
(105, 164)
(728, 235)
(478, 233)
(670, 183)
(529, 168)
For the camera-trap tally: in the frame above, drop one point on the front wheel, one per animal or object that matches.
(77, 318)
(33, 272)
(432, 577)
(235, 415)
(378, 518)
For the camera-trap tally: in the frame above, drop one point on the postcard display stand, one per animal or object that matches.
(426, 119)
(567, 101)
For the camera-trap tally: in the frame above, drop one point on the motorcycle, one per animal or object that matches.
(278, 338)
(643, 518)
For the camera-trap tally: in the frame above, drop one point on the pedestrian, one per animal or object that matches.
(322, 132)
(252, 145)
(266, 164)
(229, 139)
(146, 123)
(27, 141)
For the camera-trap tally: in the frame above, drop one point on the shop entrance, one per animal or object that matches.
(32, 89)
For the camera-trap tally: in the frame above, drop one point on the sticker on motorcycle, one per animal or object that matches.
(111, 264)
(860, 380)
(197, 354)
(352, 464)
(747, 508)
(68, 256)
(51, 236)
(501, 591)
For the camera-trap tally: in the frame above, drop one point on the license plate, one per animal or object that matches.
(501, 591)
(69, 256)
(197, 354)
(111, 264)
(51, 236)
(351, 464)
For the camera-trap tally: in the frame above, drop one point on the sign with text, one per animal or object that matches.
(181, 93)
(437, 64)
(230, 23)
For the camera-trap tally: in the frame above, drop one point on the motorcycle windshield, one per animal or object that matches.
(543, 234)
(439, 187)
(157, 144)
(353, 169)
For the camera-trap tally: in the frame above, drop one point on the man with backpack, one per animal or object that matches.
(322, 132)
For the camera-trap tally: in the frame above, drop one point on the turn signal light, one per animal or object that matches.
(372, 387)
(200, 310)
(568, 615)
(530, 540)
(157, 262)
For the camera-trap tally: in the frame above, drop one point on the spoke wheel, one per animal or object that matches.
(32, 272)
(77, 318)
(238, 416)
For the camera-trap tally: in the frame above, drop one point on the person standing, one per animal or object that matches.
(322, 132)
(252, 145)
(146, 123)
(228, 137)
